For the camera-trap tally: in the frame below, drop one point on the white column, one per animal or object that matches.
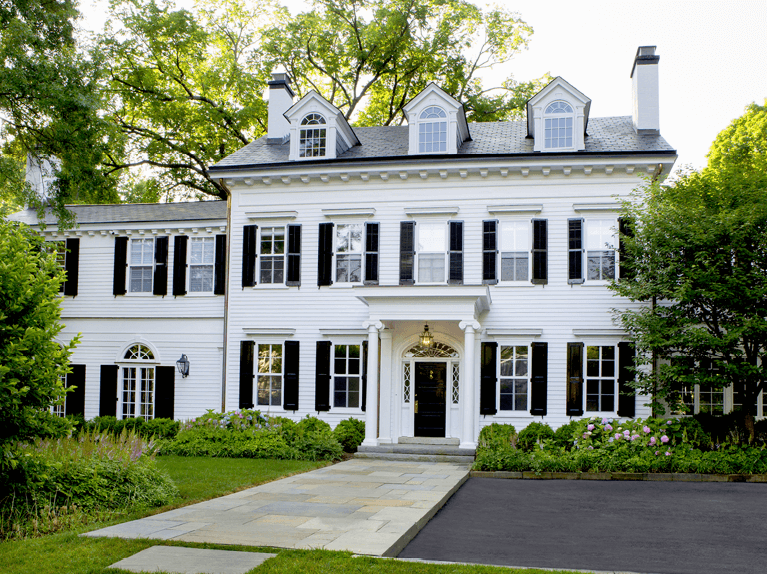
(371, 410)
(385, 406)
(468, 440)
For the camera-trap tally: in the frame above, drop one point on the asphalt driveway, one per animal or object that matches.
(657, 527)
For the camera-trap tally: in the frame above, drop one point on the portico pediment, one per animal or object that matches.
(426, 303)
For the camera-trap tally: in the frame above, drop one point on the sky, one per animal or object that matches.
(713, 57)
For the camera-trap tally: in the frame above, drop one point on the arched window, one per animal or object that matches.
(138, 383)
(558, 123)
(313, 136)
(432, 130)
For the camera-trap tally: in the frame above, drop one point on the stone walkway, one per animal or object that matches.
(365, 506)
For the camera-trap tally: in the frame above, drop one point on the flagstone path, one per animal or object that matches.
(365, 506)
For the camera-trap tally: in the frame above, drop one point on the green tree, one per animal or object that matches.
(187, 86)
(698, 260)
(32, 363)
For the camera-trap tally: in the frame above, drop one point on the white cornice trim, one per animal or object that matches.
(411, 211)
(349, 212)
(597, 206)
(530, 208)
(514, 332)
(267, 331)
(599, 333)
(256, 215)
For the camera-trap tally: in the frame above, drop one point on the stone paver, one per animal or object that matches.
(365, 506)
(182, 560)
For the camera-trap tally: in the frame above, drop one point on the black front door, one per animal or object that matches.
(430, 388)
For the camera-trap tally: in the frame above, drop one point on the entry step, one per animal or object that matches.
(419, 449)
(428, 440)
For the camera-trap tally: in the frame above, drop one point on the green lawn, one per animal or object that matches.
(200, 478)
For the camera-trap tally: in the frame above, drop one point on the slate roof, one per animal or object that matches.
(134, 213)
(604, 135)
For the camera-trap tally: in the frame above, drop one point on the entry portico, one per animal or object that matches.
(442, 377)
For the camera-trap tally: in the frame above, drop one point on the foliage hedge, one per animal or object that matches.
(350, 433)
(607, 445)
(249, 434)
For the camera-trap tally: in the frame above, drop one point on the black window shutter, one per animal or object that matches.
(539, 379)
(294, 257)
(406, 252)
(371, 254)
(219, 276)
(574, 379)
(75, 404)
(247, 349)
(363, 404)
(627, 396)
(488, 379)
(160, 282)
(249, 251)
(108, 391)
(71, 266)
(575, 251)
(179, 264)
(322, 377)
(325, 255)
(625, 229)
(456, 253)
(489, 251)
(121, 260)
(165, 392)
(540, 252)
(291, 366)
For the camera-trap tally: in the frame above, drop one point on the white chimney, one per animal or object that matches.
(644, 81)
(280, 101)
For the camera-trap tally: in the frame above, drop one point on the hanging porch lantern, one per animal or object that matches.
(426, 337)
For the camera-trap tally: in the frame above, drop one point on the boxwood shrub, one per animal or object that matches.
(350, 433)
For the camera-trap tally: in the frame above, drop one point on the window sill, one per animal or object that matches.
(593, 284)
(344, 285)
(270, 286)
(515, 285)
(198, 294)
(141, 294)
(348, 410)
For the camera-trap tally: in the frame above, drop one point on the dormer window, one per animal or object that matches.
(313, 136)
(558, 125)
(432, 130)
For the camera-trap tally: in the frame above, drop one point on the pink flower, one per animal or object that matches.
(634, 437)
(668, 453)
(652, 442)
(664, 439)
(656, 453)
(591, 448)
(604, 421)
(585, 435)
(646, 429)
(618, 435)
(608, 427)
(590, 427)
(626, 433)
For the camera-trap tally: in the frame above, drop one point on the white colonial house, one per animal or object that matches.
(430, 278)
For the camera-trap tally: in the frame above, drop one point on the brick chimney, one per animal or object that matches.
(280, 101)
(644, 81)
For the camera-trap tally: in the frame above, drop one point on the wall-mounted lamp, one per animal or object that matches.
(183, 366)
(426, 338)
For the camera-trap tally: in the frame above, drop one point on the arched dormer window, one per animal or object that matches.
(313, 136)
(558, 124)
(432, 130)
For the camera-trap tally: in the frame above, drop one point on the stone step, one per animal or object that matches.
(417, 449)
(428, 440)
(409, 457)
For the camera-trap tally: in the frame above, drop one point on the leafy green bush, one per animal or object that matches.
(152, 428)
(350, 433)
(565, 435)
(312, 424)
(533, 436)
(497, 434)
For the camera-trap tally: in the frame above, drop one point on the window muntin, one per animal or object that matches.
(558, 126)
(202, 256)
(346, 376)
(600, 378)
(348, 251)
(141, 265)
(431, 252)
(600, 260)
(272, 255)
(432, 130)
(514, 378)
(269, 376)
(515, 250)
(313, 138)
(138, 384)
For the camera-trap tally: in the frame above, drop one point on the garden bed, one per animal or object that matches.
(651, 476)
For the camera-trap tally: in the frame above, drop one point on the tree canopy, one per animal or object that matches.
(698, 253)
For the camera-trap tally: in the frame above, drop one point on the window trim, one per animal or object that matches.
(363, 239)
(346, 409)
(125, 363)
(514, 412)
(445, 251)
(189, 292)
(129, 267)
(422, 122)
(257, 376)
(527, 251)
(259, 257)
(547, 116)
(600, 377)
(302, 129)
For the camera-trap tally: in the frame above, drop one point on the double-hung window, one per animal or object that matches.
(600, 378)
(558, 125)
(348, 252)
(600, 250)
(431, 252)
(202, 257)
(432, 130)
(514, 378)
(269, 375)
(272, 255)
(515, 250)
(141, 264)
(346, 376)
(313, 136)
